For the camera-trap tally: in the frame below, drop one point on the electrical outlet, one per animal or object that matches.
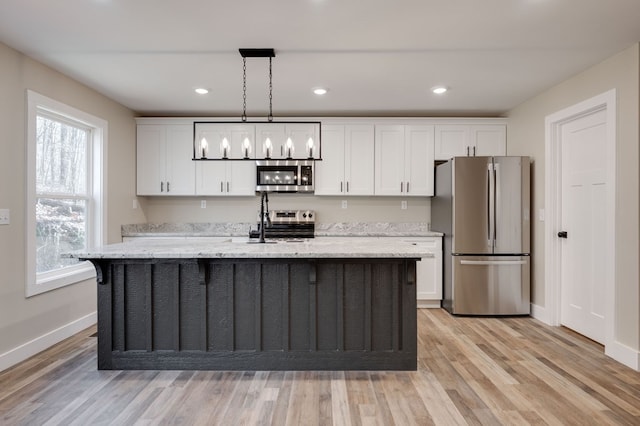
(344, 204)
(541, 215)
(403, 205)
(203, 204)
(5, 217)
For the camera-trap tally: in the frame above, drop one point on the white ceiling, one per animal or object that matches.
(377, 57)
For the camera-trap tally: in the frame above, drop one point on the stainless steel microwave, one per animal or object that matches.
(285, 175)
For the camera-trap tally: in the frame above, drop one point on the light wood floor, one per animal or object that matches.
(483, 371)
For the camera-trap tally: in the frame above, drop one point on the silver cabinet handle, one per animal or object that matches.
(221, 186)
(161, 186)
(227, 186)
(401, 186)
(340, 186)
(467, 151)
(407, 187)
(281, 151)
(168, 186)
(347, 186)
(474, 151)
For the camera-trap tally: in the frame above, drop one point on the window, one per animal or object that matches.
(65, 192)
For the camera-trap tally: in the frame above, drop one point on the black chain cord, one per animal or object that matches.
(244, 89)
(270, 92)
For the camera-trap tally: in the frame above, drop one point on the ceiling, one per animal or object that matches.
(376, 57)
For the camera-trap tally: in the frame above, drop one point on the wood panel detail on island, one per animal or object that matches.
(351, 313)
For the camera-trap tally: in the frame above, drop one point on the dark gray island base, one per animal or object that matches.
(256, 314)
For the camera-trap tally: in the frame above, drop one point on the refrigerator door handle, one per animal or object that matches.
(493, 262)
(496, 202)
(491, 205)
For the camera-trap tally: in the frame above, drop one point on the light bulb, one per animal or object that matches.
(204, 147)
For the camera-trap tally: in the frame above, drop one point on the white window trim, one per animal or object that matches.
(40, 283)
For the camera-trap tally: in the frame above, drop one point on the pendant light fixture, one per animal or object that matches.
(278, 141)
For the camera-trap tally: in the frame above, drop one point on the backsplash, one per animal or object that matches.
(245, 209)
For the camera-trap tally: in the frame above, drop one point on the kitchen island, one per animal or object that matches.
(228, 304)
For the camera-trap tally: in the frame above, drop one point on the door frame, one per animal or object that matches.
(553, 201)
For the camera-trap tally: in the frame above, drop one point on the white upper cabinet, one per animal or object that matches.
(164, 159)
(225, 140)
(347, 166)
(464, 140)
(404, 160)
(288, 140)
(226, 178)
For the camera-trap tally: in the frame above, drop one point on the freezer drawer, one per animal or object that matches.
(490, 285)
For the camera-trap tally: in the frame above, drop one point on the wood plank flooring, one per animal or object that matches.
(476, 371)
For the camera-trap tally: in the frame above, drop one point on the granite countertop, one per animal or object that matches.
(233, 248)
(357, 229)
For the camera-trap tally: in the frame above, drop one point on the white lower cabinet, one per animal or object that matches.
(429, 273)
(226, 178)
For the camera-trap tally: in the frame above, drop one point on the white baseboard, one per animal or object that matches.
(429, 304)
(540, 313)
(623, 354)
(45, 341)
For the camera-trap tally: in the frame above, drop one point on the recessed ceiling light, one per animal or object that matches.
(439, 90)
(202, 91)
(320, 91)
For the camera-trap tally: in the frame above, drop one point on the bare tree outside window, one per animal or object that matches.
(62, 198)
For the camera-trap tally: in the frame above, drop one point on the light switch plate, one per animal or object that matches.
(344, 204)
(5, 217)
(403, 205)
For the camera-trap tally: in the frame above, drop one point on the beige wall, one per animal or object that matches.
(245, 209)
(22, 319)
(527, 137)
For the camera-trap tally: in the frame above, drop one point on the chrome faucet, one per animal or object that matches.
(264, 199)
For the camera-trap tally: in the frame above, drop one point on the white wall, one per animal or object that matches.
(24, 320)
(527, 137)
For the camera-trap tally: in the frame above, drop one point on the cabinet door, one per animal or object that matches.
(419, 164)
(234, 133)
(150, 161)
(489, 140)
(300, 133)
(277, 137)
(389, 159)
(242, 140)
(359, 159)
(211, 177)
(329, 179)
(180, 168)
(451, 141)
(429, 272)
(241, 178)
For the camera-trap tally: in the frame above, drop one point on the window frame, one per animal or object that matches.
(38, 283)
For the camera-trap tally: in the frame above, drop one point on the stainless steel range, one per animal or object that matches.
(287, 224)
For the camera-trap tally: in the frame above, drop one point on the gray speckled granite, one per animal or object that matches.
(374, 229)
(233, 248)
(187, 230)
(354, 229)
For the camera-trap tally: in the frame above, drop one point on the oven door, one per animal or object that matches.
(277, 178)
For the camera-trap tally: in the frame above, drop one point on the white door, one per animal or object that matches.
(584, 190)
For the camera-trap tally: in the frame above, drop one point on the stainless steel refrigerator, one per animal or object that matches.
(482, 207)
